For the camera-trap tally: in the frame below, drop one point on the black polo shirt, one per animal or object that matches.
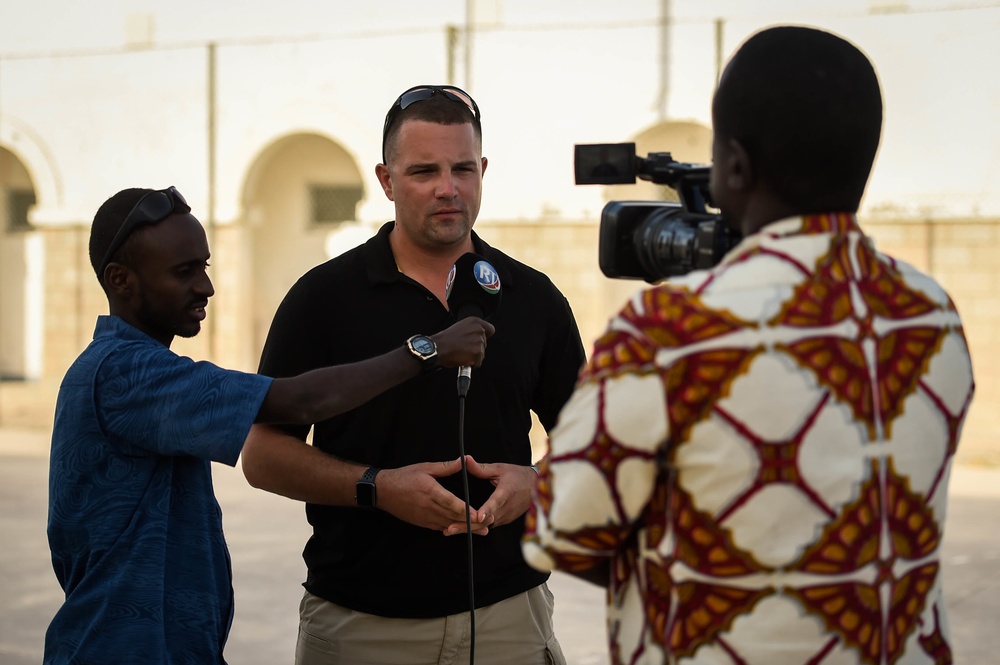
(359, 305)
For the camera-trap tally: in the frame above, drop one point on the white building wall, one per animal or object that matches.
(547, 75)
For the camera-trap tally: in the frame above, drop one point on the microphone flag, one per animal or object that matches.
(473, 287)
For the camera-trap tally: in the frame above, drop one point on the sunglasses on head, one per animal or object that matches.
(152, 208)
(422, 93)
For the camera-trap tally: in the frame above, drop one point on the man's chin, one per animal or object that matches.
(189, 331)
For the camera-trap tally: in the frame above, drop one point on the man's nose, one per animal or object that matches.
(204, 286)
(446, 188)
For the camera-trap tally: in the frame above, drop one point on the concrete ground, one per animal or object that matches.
(266, 534)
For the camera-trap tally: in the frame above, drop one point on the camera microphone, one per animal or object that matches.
(473, 289)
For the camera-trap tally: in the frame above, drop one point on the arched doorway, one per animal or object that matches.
(21, 283)
(300, 190)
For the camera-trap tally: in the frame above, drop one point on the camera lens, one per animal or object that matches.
(665, 244)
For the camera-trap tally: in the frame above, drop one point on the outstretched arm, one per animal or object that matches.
(323, 393)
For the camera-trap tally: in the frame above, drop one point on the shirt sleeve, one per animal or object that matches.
(152, 401)
(562, 359)
(604, 456)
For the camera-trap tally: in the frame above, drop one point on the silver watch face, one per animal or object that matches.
(423, 345)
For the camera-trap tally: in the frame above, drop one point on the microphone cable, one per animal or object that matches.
(464, 378)
(472, 289)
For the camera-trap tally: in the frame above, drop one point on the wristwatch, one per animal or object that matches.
(423, 349)
(364, 491)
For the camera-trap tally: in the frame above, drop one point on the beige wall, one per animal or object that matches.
(960, 253)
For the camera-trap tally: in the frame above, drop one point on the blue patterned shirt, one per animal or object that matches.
(134, 527)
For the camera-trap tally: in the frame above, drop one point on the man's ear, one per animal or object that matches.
(382, 173)
(118, 279)
(739, 172)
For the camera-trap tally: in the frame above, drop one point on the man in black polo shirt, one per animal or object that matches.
(389, 584)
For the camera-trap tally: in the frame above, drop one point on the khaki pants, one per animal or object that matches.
(517, 630)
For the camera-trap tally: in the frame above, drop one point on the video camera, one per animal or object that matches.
(653, 240)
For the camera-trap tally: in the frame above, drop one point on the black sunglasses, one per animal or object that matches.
(152, 208)
(422, 93)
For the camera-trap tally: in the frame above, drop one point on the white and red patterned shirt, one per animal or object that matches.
(762, 450)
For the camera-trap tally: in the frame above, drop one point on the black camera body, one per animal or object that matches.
(653, 240)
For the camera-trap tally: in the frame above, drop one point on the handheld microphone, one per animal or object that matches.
(473, 289)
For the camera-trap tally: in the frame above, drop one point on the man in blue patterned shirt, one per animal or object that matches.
(134, 527)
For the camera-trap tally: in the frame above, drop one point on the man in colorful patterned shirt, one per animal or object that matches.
(134, 527)
(755, 461)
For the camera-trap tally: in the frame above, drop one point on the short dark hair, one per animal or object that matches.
(109, 218)
(438, 109)
(806, 106)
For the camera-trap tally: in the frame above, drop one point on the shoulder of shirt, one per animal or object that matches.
(117, 346)
(512, 272)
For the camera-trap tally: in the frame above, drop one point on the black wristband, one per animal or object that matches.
(364, 491)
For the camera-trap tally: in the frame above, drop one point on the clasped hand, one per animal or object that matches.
(412, 494)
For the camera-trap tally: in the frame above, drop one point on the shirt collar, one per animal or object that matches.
(109, 325)
(837, 223)
(834, 223)
(381, 264)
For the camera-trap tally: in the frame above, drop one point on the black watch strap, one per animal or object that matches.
(364, 492)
